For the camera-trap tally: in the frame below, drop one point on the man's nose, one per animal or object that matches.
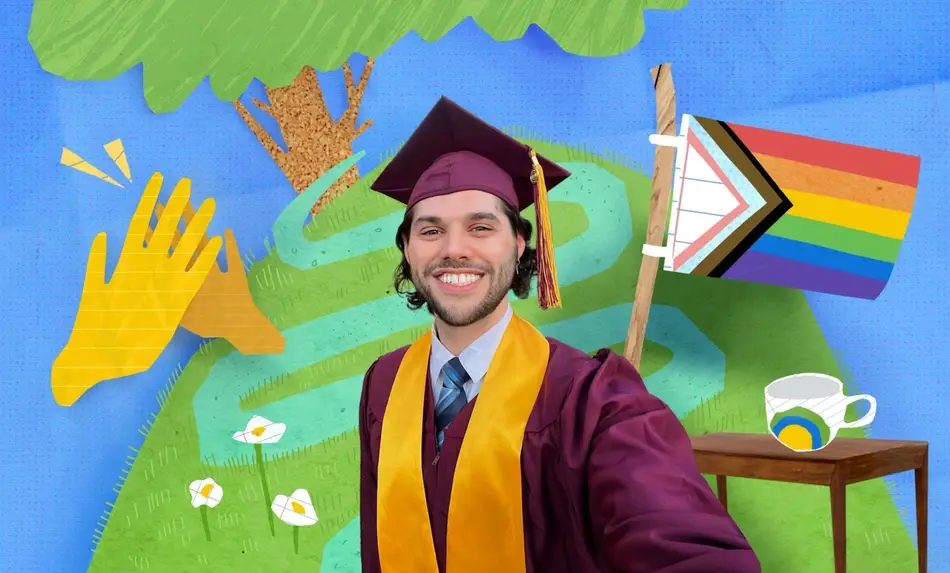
(456, 245)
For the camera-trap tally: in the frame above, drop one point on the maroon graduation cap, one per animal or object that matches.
(453, 150)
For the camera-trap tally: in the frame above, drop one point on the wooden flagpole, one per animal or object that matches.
(659, 212)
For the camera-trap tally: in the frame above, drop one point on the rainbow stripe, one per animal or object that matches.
(850, 209)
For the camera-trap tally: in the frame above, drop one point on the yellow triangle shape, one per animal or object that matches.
(71, 159)
(116, 152)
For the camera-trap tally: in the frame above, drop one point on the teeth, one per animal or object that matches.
(459, 279)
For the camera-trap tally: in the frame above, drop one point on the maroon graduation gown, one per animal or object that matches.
(609, 479)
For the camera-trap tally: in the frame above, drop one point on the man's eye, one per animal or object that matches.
(480, 228)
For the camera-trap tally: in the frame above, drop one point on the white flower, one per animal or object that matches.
(260, 430)
(205, 492)
(296, 509)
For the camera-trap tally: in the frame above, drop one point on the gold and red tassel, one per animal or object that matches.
(549, 295)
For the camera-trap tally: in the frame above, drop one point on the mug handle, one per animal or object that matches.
(867, 418)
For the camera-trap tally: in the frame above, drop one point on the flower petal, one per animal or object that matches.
(273, 433)
(295, 510)
(198, 498)
(217, 493)
(256, 421)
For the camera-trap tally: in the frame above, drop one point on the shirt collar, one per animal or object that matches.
(476, 357)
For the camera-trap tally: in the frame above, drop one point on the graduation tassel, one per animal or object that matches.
(548, 293)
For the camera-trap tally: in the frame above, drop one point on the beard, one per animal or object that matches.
(499, 283)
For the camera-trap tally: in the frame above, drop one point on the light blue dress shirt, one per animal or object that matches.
(476, 357)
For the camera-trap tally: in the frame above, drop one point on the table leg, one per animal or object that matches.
(838, 533)
(920, 483)
(721, 491)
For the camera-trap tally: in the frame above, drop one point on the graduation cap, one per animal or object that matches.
(452, 150)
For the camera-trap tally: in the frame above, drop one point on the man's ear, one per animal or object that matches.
(521, 245)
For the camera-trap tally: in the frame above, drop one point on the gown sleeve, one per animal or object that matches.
(369, 554)
(650, 509)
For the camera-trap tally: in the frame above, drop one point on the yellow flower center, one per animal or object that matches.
(258, 431)
(206, 490)
(297, 508)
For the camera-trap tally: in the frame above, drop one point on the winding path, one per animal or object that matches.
(695, 373)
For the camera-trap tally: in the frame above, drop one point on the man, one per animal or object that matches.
(487, 448)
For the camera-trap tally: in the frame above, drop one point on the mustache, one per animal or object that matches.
(449, 265)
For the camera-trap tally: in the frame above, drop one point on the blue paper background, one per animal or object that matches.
(866, 72)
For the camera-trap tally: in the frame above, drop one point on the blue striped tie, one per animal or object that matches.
(451, 398)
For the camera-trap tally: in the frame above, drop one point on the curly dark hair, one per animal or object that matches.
(520, 284)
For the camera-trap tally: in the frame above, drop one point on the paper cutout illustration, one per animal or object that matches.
(204, 494)
(259, 431)
(224, 307)
(314, 140)
(805, 411)
(270, 36)
(71, 159)
(314, 389)
(116, 151)
(296, 511)
(292, 246)
(123, 325)
(771, 207)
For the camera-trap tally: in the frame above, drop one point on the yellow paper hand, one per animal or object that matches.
(124, 325)
(224, 307)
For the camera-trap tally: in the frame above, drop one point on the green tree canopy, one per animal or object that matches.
(181, 42)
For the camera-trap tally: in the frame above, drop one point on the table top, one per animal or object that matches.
(764, 446)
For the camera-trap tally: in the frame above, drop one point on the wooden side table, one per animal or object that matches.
(844, 461)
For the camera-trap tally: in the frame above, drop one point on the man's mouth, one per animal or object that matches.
(458, 278)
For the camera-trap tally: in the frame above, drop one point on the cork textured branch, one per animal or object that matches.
(314, 140)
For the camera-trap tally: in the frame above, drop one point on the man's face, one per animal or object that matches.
(463, 254)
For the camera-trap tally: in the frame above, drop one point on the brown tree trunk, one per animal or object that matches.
(315, 141)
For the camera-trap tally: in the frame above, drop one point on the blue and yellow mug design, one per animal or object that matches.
(805, 411)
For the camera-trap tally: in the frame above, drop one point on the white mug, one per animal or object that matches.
(805, 411)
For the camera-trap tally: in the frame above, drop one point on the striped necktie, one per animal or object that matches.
(451, 398)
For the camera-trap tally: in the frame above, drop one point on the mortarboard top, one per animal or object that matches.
(452, 150)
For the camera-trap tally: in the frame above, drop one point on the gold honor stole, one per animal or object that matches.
(485, 529)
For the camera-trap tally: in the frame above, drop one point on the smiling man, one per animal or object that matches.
(488, 448)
